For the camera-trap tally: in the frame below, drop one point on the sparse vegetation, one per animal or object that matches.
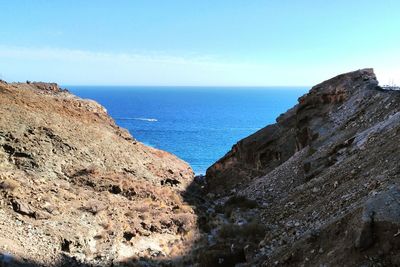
(9, 185)
(184, 222)
(253, 231)
(235, 202)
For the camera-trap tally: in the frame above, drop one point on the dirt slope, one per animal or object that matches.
(74, 187)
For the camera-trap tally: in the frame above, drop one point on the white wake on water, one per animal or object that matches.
(145, 119)
(138, 119)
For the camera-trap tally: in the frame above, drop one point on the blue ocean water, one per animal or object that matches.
(198, 124)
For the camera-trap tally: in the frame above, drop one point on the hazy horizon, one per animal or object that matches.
(186, 86)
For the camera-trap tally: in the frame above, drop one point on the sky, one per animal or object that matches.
(198, 43)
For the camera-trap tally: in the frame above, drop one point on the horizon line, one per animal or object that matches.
(194, 86)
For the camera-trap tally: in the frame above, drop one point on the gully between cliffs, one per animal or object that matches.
(320, 187)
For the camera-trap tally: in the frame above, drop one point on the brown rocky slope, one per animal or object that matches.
(320, 186)
(73, 185)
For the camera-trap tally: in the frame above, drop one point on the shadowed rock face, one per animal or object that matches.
(73, 182)
(325, 177)
(309, 123)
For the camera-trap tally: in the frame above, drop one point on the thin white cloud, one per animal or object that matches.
(69, 66)
(127, 68)
(82, 55)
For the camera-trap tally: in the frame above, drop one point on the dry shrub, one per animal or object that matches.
(94, 206)
(168, 196)
(186, 209)
(240, 202)
(155, 213)
(141, 208)
(251, 231)
(106, 225)
(9, 185)
(184, 222)
(229, 231)
(129, 213)
(221, 256)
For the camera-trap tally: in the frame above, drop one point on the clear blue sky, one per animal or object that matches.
(218, 42)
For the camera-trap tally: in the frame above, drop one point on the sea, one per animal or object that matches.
(197, 124)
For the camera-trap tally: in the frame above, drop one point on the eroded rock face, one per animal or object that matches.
(309, 123)
(74, 185)
(325, 177)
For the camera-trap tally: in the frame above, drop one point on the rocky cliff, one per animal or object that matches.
(76, 188)
(320, 187)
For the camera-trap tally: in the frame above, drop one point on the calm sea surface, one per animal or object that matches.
(198, 124)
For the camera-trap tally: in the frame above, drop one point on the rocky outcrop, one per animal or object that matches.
(75, 185)
(309, 123)
(325, 180)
